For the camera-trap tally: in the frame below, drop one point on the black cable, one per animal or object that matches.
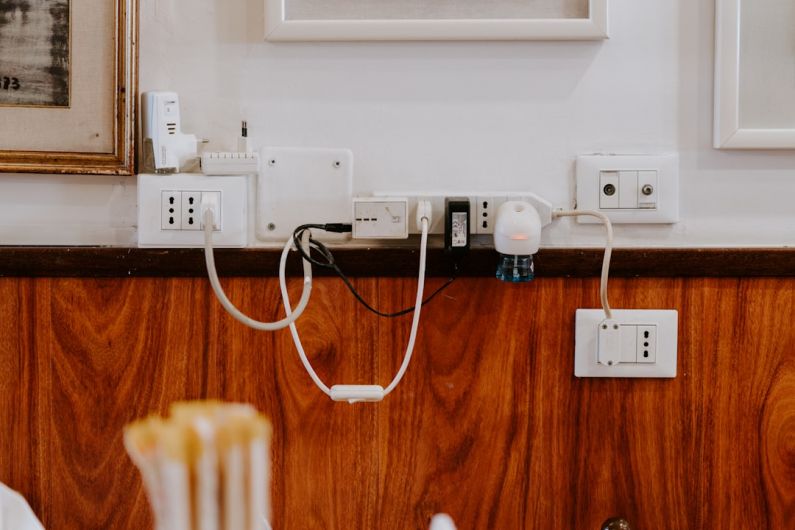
(331, 264)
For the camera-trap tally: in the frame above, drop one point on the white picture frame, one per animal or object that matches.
(279, 28)
(728, 132)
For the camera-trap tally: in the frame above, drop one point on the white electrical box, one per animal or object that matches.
(639, 189)
(297, 186)
(169, 210)
(635, 343)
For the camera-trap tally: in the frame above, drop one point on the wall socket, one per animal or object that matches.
(629, 188)
(635, 343)
(181, 210)
(169, 210)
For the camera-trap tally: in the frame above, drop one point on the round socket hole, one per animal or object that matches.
(645, 344)
(609, 190)
(646, 353)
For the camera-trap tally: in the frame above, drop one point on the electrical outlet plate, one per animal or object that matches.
(638, 189)
(296, 186)
(639, 356)
(482, 206)
(154, 228)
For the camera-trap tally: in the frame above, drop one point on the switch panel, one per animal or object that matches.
(629, 189)
(380, 218)
(634, 343)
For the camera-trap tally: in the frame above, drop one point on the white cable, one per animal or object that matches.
(412, 336)
(209, 258)
(608, 250)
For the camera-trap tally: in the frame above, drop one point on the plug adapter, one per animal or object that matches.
(456, 225)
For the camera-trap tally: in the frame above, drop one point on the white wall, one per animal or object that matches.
(457, 116)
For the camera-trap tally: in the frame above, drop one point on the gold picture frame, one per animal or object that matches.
(109, 69)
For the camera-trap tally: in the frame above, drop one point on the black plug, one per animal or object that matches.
(456, 225)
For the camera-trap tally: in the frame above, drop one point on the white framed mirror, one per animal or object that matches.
(755, 74)
(379, 20)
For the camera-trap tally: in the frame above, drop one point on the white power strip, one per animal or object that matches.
(223, 163)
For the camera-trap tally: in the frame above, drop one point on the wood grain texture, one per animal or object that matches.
(489, 424)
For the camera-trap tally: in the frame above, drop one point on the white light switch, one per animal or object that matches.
(628, 189)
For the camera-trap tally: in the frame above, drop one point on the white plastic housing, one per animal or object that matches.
(171, 148)
(517, 229)
(357, 393)
(302, 185)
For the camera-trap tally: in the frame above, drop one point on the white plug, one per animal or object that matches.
(211, 202)
(424, 211)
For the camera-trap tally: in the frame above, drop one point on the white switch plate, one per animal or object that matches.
(302, 185)
(153, 231)
(628, 174)
(662, 326)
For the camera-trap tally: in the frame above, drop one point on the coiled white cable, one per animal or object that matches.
(354, 393)
(209, 258)
(608, 250)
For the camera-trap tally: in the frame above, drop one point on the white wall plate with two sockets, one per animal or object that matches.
(643, 343)
(302, 185)
(169, 210)
(639, 189)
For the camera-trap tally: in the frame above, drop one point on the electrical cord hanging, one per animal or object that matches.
(412, 335)
(331, 264)
(208, 219)
(608, 250)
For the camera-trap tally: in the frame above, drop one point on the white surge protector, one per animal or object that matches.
(234, 163)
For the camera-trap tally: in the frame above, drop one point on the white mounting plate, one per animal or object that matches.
(233, 190)
(296, 186)
(588, 172)
(586, 343)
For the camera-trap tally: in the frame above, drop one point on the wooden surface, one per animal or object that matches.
(100, 262)
(489, 424)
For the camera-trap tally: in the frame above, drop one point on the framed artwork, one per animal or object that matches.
(352, 20)
(68, 85)
(754, 74)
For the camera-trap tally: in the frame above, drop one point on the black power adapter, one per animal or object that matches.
(456, 225)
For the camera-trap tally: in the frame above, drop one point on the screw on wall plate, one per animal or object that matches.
(272, 162)
(648, 189)
(609, 189)
(337, 164)
(271, 227)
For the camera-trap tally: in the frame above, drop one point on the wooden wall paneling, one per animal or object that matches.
(117, 351)
(326, 453)
(24, 416)
(489, 423)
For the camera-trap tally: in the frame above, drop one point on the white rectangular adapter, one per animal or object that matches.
(380, 218)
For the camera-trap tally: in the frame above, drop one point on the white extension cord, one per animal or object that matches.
(208, 217)
(369, 393)
(608, 251)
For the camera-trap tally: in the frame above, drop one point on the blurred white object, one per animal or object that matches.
(442, 521)
(15, 514)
